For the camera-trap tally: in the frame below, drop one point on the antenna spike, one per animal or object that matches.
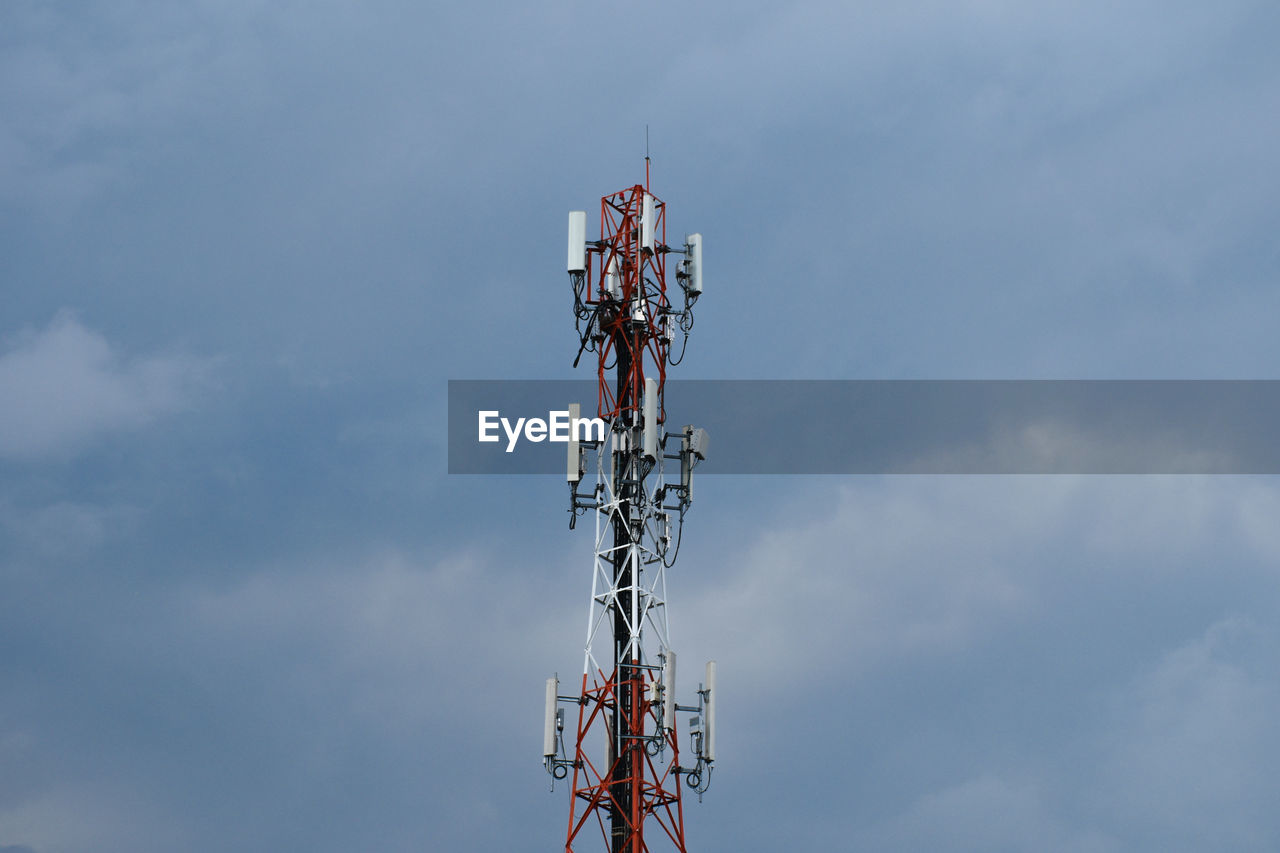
(646, 155)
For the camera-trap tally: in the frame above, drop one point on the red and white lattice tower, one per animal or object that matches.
(625, 757)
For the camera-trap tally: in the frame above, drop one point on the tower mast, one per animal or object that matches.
(627, 700)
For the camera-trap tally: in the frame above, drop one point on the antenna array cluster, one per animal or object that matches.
(624, 755)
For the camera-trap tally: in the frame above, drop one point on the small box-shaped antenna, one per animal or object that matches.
(693, 248)
(549, 724)
(699, 443)
(649, 436)
(577, 240)
(709, 739)
(669, 691)
(640, 309)
(646, 222)
(573, 464)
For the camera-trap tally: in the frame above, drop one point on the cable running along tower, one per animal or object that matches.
(624, 754)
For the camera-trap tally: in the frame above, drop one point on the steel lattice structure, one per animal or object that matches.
(625, 763)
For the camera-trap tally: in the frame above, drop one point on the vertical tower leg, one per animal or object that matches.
(621, 793)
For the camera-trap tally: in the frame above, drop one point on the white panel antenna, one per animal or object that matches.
(549, 726)
(693, 449)
(573, 465)
(647, 223)
(577, 240)
(694, 251)
(669, 691)
(709, 738)
(649, 436)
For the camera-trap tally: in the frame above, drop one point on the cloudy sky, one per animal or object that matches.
(246, 244)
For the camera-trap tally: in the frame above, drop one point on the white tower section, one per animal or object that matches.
(647, 553)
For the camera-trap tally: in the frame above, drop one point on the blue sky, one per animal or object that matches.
(247, 244)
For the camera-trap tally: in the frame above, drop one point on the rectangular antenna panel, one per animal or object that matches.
(573, 467)
(649, 437)
(709, 741)
(699, 442)
(694, 251)
(686, 463)
(577, 240)
(549, 725)
(646, 222)
(669, 691)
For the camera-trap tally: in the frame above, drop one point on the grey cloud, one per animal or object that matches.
(910, 567)
(1175, 759)
(85, 100)
(985, 813)
(393, 674)
(64, 529)
(66, 384)
(1193, 739)
(990, 663)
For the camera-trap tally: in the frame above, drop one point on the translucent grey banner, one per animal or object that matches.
(905, 426)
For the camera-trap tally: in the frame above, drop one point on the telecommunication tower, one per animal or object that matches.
(625, 754)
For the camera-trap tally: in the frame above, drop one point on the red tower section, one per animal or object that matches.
(627, 271)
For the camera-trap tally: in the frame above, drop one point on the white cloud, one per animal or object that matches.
(407, 639)
(363, 665)
(986, 813)
(1192, 743)
(908, 567)
(1177, 760)
(65, 385)
(102, 815)
(1036, 631)
(888, 569)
